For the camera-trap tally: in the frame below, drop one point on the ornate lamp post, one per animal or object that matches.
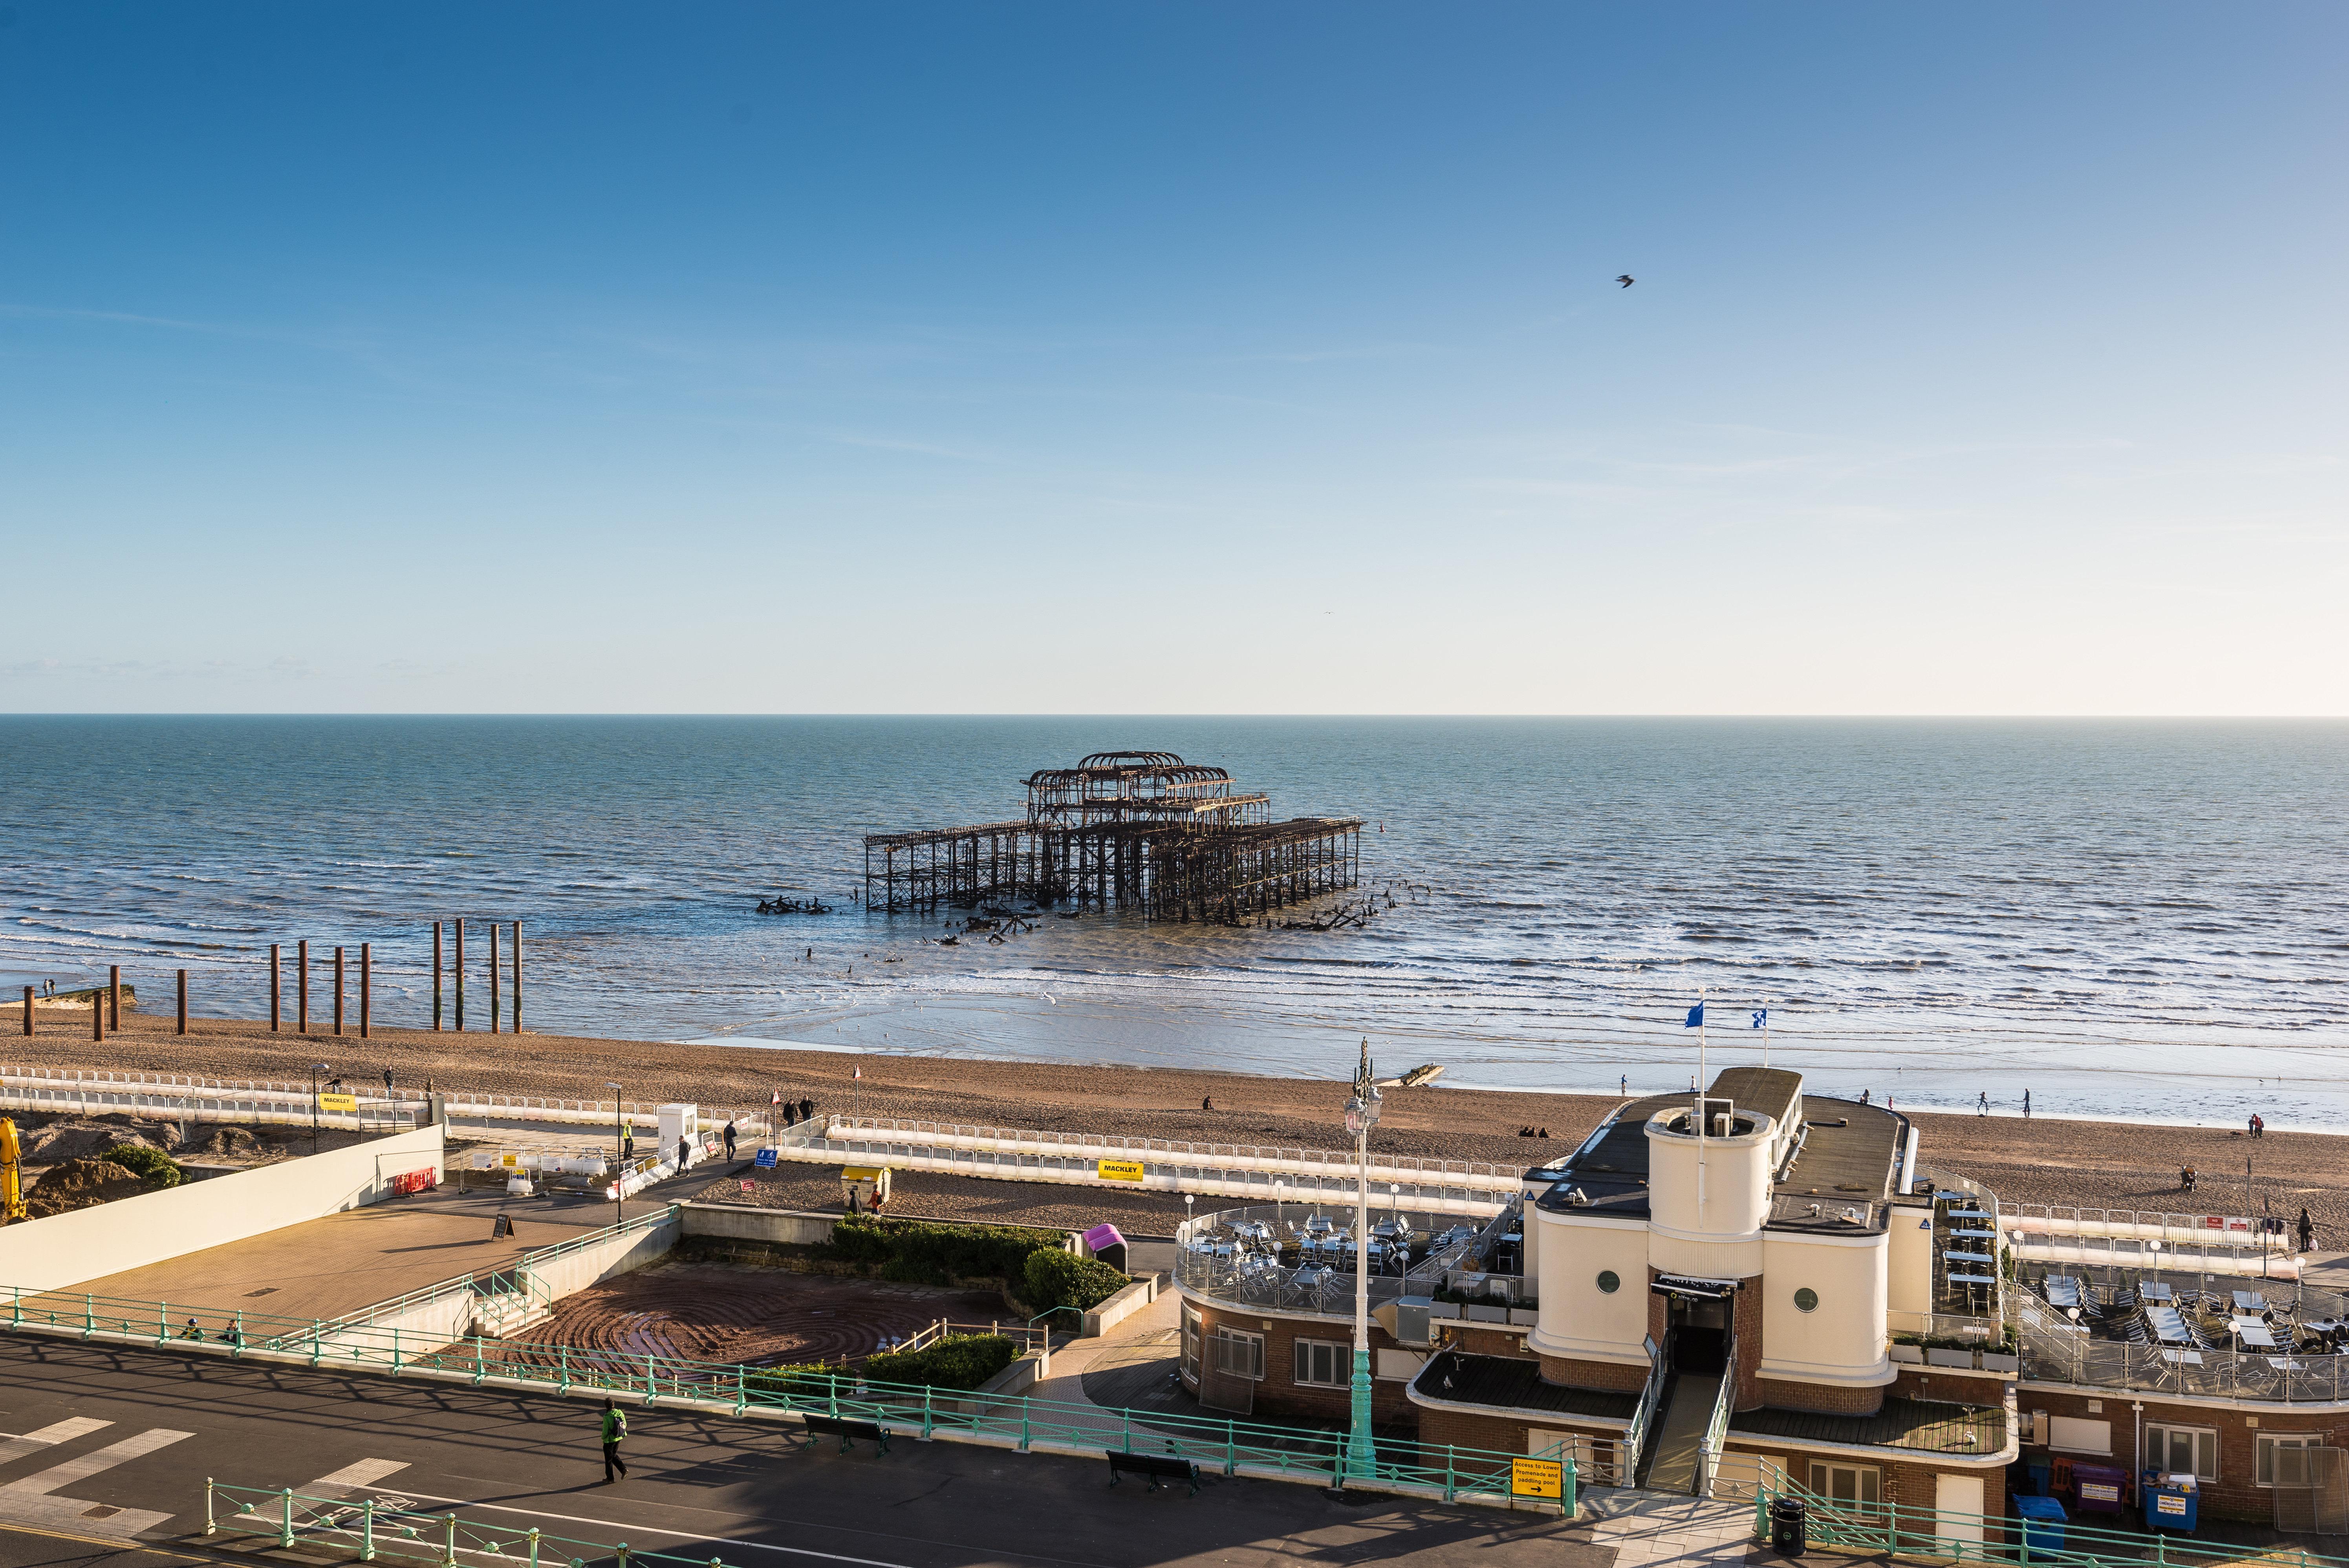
(1362, 1115)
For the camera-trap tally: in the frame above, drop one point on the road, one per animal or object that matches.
(109, 1448)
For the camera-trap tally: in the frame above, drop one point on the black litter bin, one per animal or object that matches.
(1788, 1534)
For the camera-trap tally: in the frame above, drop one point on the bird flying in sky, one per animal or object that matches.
(1624, 278)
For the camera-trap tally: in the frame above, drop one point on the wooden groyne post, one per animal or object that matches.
(436, 977)
(97, 1016)
(367, 983)
(29, 1012)
(114, 997)
(302, 986)
(460, 976)
(517, 977)
(495, 1006)
(183, 1002)
(273, 988)
(339, 988)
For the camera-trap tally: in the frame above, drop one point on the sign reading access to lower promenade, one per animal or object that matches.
(1538, 1477)
(1119, 1170)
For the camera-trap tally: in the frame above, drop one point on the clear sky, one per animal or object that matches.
(1180, 357)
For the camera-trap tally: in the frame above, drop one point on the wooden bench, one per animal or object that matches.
(847, 1430)
(1122, 1463)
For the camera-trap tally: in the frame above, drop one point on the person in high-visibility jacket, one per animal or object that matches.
(615, 1428)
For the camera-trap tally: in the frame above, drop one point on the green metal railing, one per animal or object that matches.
(371, 1531)
(1215, 1443)
(1978, 1538)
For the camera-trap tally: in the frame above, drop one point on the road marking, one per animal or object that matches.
(89, 1464)
(351, 1476)
(33, 1500)
(65, 1431)
(656, 1530)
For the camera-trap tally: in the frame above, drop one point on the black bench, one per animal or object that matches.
(1122, 1463)
(847, 1430)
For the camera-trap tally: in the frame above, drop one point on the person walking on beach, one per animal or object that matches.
(615, 1428)
(729, 1141)
(1983, 1109)
(2027, 1105)
(2307, 1233)
(1206, 1102)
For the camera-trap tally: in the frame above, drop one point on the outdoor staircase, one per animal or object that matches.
(1680, 1435)
(507, 1302)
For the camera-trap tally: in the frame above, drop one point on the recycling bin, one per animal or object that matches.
(2170, 1502)
(2042, 1523)
(1789, 1527)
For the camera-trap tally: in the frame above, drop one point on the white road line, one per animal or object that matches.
(89, 1464)
(351, 1476)
(48, 1436)
(625, 1530)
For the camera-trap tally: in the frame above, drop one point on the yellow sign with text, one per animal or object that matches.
(1538, 1477)
(1119, 1170)
(343, 1102)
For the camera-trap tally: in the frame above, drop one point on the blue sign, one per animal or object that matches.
(766, 1159)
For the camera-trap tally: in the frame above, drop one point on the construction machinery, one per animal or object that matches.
(12, 1185)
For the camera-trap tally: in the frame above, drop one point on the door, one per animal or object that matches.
(1958, 1500)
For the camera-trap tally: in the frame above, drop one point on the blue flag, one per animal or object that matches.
(1761, 1017)
(1695, 1019)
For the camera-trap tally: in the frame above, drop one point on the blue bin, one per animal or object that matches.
(2042, 1523)
(2167, 1507)
(2039, 1471)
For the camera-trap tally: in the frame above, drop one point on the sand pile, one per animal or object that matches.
(79, 1137)
(80, 1184)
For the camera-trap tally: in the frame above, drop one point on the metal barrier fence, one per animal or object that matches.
(2055, 1351)
(1336, 1163)
(1985, 1537)
(371, 1530)
(1231, 1446)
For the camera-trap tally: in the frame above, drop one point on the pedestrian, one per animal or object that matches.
(1206, 1102)
(729, 1141)
(615, 1428)
(684, 1153)
(2307, 1233)
(807, 1108)
(627, 1140)
(1864, 1094)
(2027, 1105)
(1982, 1107)
(1623, 1084)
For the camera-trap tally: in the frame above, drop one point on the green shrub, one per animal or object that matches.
(957, 1361)
(913, 1252)
(807, 1379)
(1063, 1279)
(151, 1164)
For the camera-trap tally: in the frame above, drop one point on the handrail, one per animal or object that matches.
(1635, 1436)
(1304, 1453)
(1716, 1427)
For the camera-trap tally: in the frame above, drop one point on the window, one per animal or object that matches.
(1806, 1300)
(2073, 1435)
(1237, 1354)
(1324, 1364)
(1397, 1366)
(2283, 1460)
(1852, 1488)
(2183, 1451)
(1190, 1342)
(1608, 1284)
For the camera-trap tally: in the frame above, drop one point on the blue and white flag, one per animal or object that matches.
(1761, 1017)
(1695, 1019)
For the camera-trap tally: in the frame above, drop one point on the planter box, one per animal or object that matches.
(1993, 1362)
(1909, 1355)
(1961, 1358)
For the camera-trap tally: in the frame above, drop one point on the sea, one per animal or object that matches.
(2134, 919)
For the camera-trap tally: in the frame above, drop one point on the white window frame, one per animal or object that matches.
(1235, 1354)
(2158, 1436)
(2263, 1463)
(1867, 1486)
(1342, 1363)
(1191, 1335)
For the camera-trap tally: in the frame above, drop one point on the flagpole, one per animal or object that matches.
(1767, 1003)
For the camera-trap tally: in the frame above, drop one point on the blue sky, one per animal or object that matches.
(1111, 358)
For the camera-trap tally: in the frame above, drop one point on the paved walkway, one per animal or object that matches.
(1645, 1528)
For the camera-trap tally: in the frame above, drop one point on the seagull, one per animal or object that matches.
(1624, 279)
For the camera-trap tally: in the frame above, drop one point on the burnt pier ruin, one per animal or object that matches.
(1123, 829)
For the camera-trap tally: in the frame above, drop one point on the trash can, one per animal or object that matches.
(2098, 1489)
(2040, 1473)
(1789, 1535)
(2170, 1502)
(2043, 1524)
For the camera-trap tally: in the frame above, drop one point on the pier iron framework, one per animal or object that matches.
(1123, 829)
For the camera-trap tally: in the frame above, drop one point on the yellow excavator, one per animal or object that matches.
(12, 1186)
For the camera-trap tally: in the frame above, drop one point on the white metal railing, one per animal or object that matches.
(1716, 1427)
(2056, 1351)
(1250, 1265)
(1635, 1436)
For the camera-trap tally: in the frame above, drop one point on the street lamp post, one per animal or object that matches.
(1362, 1115)
(619, 1203)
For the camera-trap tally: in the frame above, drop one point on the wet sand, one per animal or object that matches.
(2091, 1164)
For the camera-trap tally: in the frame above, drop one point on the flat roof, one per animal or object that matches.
(1514, 1383)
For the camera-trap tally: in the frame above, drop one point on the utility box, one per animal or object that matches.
(864, 1188)
(2170, 1500)
(679, 1121)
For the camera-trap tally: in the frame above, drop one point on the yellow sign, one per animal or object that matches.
(510, 1162)
(346, 1103)
(1119, 1170)
(1538, 1477)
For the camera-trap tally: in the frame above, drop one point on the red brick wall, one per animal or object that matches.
(1901, 1484)
(2236, 1494)
(1480, 1340)
(1747, 1305)
(1828, 1398)
(1279, 1394)
(1500, 1434)
(1949, 1385)
(1568, 1373)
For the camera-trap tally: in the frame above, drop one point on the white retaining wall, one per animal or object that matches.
(131, 1232)
(583, 1267)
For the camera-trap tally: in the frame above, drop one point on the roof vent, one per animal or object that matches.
(1851, 1216)
(1578, 1197)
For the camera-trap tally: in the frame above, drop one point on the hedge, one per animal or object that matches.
(913, 1252)
(810, 1377)
(1063, 1279)
(151, 1164)
(957, 1361)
